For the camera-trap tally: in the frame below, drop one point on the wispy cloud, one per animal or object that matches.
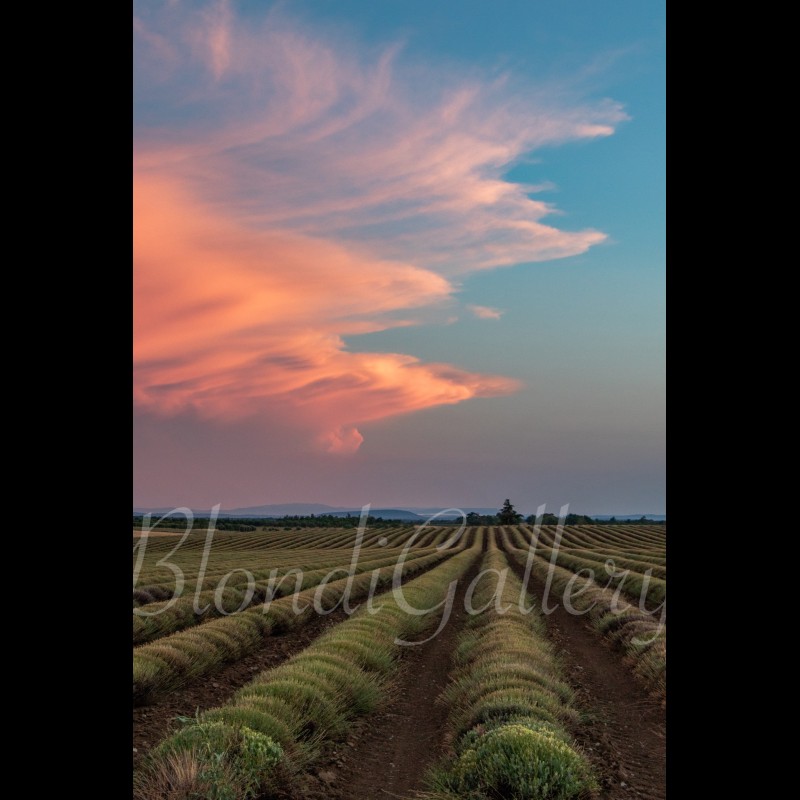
(217, 34)
(485, 312)
(301, 192)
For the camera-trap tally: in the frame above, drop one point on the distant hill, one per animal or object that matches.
(429, 512)
(385, 513)
(157, 512)
(304, 509)
(277, 510)
(274, 510)
(286, 509)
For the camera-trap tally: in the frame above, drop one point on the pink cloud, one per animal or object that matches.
(218, 33)
(485, 312)
(315, 194)
(231, 322)
(305, 134)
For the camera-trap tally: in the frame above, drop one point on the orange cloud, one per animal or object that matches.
(231, 322)
(298, 194)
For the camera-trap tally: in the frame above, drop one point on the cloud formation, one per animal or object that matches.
(485, 312)
(298, 192)
(232, 322)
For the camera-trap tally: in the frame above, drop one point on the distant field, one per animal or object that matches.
(276, 663)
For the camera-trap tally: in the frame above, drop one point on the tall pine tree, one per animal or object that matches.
(508, 514)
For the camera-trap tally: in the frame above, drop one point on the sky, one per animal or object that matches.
(401, 253)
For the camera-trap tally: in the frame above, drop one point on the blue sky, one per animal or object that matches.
(283, 149)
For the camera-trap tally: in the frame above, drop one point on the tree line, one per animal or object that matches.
(198, 523)
(507, 515)
(245, 524)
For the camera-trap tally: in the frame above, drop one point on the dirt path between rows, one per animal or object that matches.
(625, 730)
(153, 723)
(387, 753)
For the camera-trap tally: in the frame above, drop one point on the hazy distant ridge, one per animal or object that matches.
(305, 509)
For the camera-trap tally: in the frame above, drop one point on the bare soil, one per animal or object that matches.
(155, 722)
(152, 723)
(624, 733)
(387, 753)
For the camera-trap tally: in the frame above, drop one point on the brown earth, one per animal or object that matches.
(387, 753)
(153, 723)
(624, 733)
